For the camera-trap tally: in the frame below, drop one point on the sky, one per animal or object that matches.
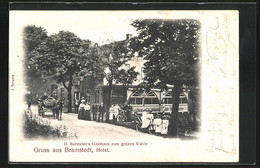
(98, 26)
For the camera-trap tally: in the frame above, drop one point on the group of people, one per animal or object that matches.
(114, 111)
(57, 110)
(97, 112)
(86, 112)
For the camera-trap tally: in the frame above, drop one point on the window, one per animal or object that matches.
(131, 101)
(88, 95)
(168, 98)
(118, 96)
(147, 101)
(76, 95)
(142, 98)
(151, 101)
(183, 99)
(155, 101)
(139, 101)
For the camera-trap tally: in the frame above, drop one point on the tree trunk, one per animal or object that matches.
(194, 110)
(109, 93)
(173, 127)
(69, 96)
(191, 110)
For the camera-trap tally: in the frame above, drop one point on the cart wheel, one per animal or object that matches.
(139, 127)
(151, 129)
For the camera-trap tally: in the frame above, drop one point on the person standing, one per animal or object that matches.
(60, 107)
(55, 110)
(102, 110)
(87, 112)
(126, 108)
(116, 111)
(40, 107)
(81, 109)
(111, 113)
(76, 105)
(94, 111)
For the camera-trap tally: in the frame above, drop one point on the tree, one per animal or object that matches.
(117, 55)
(126, 77)
(93, 69)
(171, 51)
(194, 107)
(61, 56)
(32, 38)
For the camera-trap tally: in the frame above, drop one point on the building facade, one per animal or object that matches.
(97, 91)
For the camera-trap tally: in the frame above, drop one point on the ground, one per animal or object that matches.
(93, 129)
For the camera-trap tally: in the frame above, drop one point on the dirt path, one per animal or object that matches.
(93, 129)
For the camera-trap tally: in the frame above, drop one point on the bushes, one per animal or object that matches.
(35, 127)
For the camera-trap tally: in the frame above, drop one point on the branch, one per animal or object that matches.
(65, 85)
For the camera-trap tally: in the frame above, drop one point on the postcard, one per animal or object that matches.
(101, 86)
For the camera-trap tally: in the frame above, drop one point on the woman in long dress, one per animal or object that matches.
(81, 109)
(111, 113)
(87, 112)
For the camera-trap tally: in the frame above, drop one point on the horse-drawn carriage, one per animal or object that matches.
(49, 105)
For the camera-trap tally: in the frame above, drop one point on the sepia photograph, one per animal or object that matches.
(123, 86)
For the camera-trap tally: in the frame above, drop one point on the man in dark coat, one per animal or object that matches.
(44, 97)
(60, 106)
(76, 106)
(55, 110)
(126, 107)
(94, 111)
(102, 110)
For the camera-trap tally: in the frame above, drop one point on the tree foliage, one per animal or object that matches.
(32, 37)
(61, 56)
(126, 76)
(94, 66)
(117, 55)
(170, 48)
(171, 51)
